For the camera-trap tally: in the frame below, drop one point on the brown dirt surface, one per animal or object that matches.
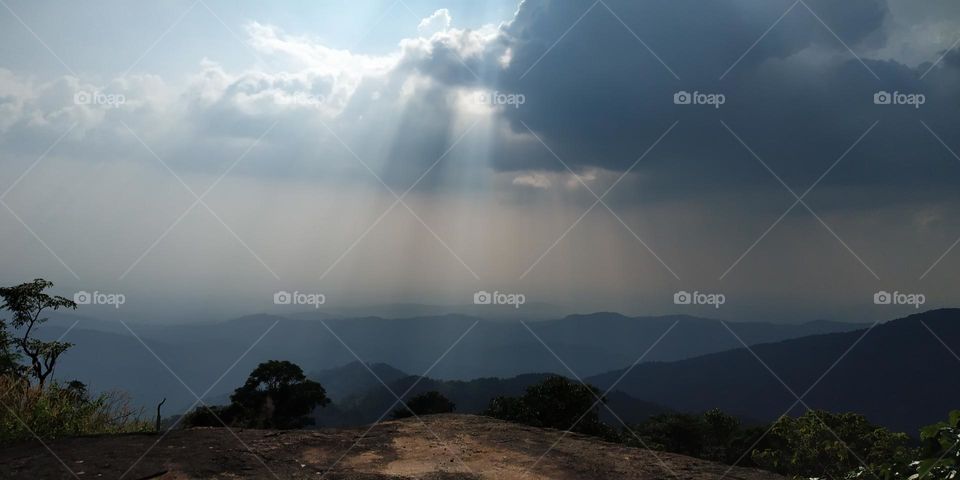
(440, 447)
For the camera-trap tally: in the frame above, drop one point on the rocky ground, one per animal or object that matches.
(440, 447)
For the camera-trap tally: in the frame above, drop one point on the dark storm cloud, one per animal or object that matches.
(799, 98)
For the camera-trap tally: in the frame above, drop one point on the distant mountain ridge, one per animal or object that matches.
(365, 405)
(354, 378)
(898, 374)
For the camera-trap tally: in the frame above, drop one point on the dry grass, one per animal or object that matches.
(58, 410)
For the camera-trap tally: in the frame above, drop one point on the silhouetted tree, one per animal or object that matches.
(214, 416)
(428, 403)
(27, 302)
(276, 395)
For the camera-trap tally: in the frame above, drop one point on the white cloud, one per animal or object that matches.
(437, 22)
(300, 82)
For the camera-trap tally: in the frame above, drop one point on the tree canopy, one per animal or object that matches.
(276, 395)
(27, 302)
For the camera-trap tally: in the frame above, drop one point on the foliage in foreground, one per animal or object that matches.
(33, 404)
(58, 410)
(834, 445)
(940, 449)
(276, 395)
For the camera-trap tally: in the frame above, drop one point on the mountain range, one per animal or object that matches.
(898, 374)
(367, 400)
(865, 371)
(177, 362)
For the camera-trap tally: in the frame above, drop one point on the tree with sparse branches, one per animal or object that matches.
(27, 302)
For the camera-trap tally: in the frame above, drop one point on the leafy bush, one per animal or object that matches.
(428, 403)
(939, 452)
(57, 410)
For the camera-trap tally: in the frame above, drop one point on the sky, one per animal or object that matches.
(795, 158)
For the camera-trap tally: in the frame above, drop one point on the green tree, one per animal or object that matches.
(557, 402)
(713, 435)
(721, 432)
(428, 403)
(27, 302)
(940, 449)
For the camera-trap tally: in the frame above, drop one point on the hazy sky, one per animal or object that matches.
(199, 156)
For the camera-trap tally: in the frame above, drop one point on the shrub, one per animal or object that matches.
(556, 402)
(713, 435)
(57, 410)
(428, 403)
(939, 452)
(832, 445)
(212, 416)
